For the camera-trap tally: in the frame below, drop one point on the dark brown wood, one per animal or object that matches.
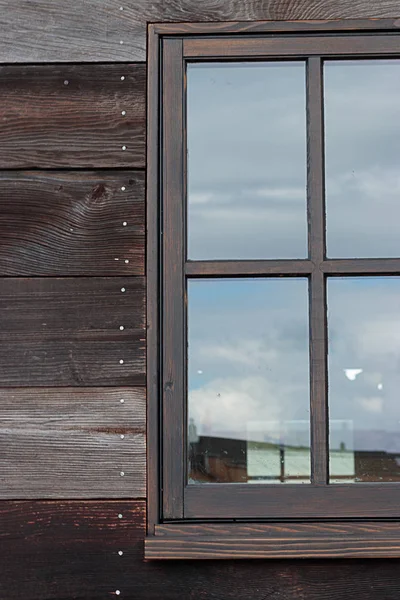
(66, 332)
(290, 501)
(71, 223)
(361, 266)
(317, 294)
(173, 345)
(102, 27)
(274, 540)
(235, 47)
(336, 530)
(248, 268)
(65, 550)
(229, 548)
(71, 116)
(60, 550)
(67, 443)
(328, 24)
(153, 288)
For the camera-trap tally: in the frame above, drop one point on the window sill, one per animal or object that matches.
(279, 540)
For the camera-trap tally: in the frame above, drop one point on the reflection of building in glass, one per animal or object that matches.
(228, 460)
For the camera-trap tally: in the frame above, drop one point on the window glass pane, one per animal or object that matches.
(364, 379)
(248, 396)
(362, 129)
(246, 160)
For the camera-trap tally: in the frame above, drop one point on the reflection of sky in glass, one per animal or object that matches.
(248, 358)
(247, 160)
(362, 128)
(247, 366)
(364, 363)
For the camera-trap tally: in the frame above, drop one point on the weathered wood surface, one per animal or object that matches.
(71, 223)
(65, 550)
(42, 31)
(71, 115)
(66, 332)
(67, 443)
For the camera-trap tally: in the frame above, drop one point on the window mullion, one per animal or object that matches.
(316, 218)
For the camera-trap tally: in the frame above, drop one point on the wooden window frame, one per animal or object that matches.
(317, 519)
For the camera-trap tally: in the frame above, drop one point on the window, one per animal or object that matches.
(274, 290)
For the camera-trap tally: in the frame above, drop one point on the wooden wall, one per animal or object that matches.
(72, 290)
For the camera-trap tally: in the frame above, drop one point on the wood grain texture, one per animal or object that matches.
(71, 223)
(173, 313)
(65, 550)
(66, 332)
(67, 443)
(42, 31)
(274, 540)
(152, 284)
(71, 116)
(291, 501)
(231, 548)
(336, 45)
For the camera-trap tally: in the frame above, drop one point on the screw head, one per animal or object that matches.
(123, 148)
(123, 113)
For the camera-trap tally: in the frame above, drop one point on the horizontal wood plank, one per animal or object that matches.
(232, 47)
(274, 540)
(65, 550)
(67, 443)
(283, 530)
(230, 548)
(72, 223)
(66, 332)
(71, 116)
(93, 31)
(248, 268)
(291, 501)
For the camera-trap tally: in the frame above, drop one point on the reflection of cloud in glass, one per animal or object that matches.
(362, 129)
(364, 328)
(247, 160)
(251, 339)
(247, 349)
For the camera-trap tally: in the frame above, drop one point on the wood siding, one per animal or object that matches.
(43, 31)
(63, 332)
(64, 223)
(67, 230)
(67, 443)
(64, 550)
(71, 116)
